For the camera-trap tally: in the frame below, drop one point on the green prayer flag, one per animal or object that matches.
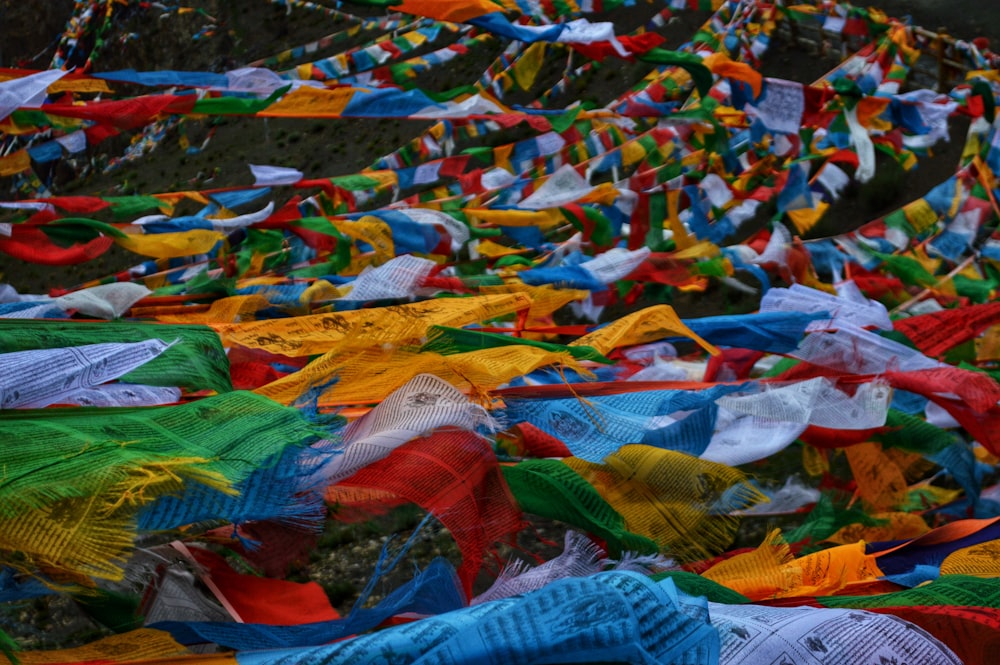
(126, 207)
(446, 341)
(694, 584)
(551, 489)
(236, 105)
(689, 62)
(827, 518)
(198, 362)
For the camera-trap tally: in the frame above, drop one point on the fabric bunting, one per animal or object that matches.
(648, 321)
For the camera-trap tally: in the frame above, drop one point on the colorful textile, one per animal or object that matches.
(647, 319)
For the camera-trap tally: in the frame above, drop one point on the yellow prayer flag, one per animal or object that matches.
(670, 497)
(446, 10)
(545, 299)
(370, 375)
(988, 74)
(493, 250)
(647, 325)
(171, 199)
(982, 560)
(701, 249)
(632, 153)
(8, 126)
(135, 646)
(415, 38)
(694, 158)
(804, 219)
(224, 310)
(399, 324)
(920, 215)
(985, 456)
(92, 535)
(526, 69)
(958, 199)
(914, 466)
(928, 263)
(171, 245)
(605, 193)
(812, 281)
(833, 569)
(70, 83)
(804, 9)
(868, 110)
(878, 16)
(972, 271)
(815, 460)
(372, 231)
(766, 574)
(319, 290)
(544, 219)
(93, 85)
(972, 148)
(682, 239)
(386, 178)
(82, 542)
(988, 345)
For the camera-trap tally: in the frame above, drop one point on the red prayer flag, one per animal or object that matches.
(454, 475)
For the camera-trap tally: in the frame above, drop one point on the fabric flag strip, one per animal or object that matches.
(605, 300)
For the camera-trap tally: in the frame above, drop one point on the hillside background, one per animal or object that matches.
(220, 35)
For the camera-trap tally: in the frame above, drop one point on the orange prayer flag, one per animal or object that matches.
(310, 102)
(766, 573)
(898, 526)
(14, 163)
(721, 65)
(880, 481)
(448, 10)
(761, 573)
(834, 569)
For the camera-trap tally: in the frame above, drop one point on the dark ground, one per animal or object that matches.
(964, 19)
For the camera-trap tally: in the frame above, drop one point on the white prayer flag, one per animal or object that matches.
(398, 278)
(422, 404)
(27, 91)
(39, 377)
(266, 176)
(782, 106)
